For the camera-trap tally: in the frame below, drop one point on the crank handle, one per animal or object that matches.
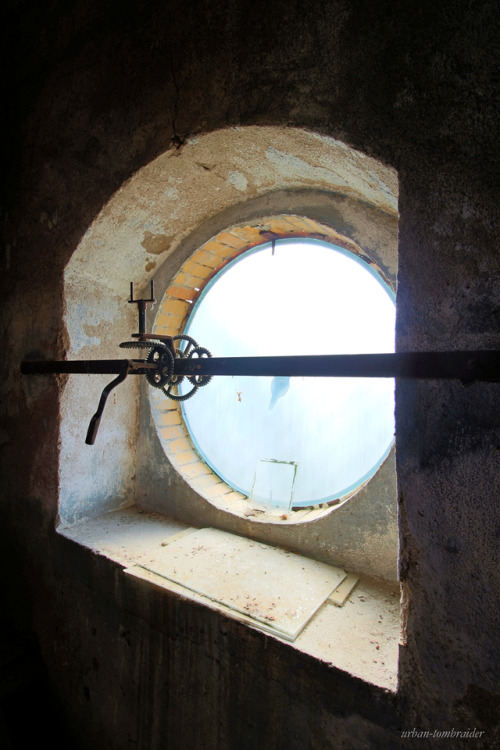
(96, 419)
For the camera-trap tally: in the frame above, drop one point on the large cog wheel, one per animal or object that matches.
(179, 396)
(190, 343)
(164, 359)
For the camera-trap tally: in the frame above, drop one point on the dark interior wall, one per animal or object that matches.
(94, 92)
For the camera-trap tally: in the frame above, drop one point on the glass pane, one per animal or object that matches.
(306, 297)
(273, 483)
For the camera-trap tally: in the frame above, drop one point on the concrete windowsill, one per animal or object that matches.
(360, 638)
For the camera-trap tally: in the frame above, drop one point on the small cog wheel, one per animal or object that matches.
(190, 343)
(199, 380)
(140, 344)
(182, 353)
(164, 359)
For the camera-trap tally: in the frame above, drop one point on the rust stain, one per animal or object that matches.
(156, 244)
(150, 265)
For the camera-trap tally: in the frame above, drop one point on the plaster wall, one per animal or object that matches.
(95, 96)
(99, 478)
(145, 231)
(185, 191)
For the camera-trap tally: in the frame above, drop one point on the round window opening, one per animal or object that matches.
(301, 441)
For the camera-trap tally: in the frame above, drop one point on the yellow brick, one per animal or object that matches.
(202, 272)
(187, 280)
(177, 446)
(174, 320)
(173, 432)
(250, 235)
(196, 470)
(217, 490)
(222, 251)
(233, 495)
(181, 279)
(282, 226)
(165, 405)
(175, 307)
(173, 327)
(205, 481)
(161, 320)
(313, 227)
(170, 321)
(214, 246)
(296, 223)
(170, 418)
(232, 240)
(206, 259)
(181, 292)
(181, 459)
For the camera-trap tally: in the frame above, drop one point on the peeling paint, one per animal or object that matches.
(238, 180)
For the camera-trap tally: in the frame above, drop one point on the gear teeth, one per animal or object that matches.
(199, 380)
(189, 339)
(181, 396)
(150, 344)
(165, 380)
(165, 361)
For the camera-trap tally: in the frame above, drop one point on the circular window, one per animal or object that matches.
(293, 442)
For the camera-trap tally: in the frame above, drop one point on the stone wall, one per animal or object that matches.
(94, 95)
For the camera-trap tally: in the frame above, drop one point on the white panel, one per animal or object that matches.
(275, 588)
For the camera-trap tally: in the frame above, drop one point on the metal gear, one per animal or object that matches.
(177, 379)
(140, 344)
(163, 357)
(181, 353)
(179, 396)
(199, 380)
(189, 339)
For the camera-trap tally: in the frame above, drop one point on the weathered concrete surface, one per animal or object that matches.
(94, 95)
(361, 637)
(181, 196)
(168, 200)
(448, 453)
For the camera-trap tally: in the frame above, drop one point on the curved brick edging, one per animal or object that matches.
(173, 313)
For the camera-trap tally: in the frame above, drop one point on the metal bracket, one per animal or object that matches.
(141, 309)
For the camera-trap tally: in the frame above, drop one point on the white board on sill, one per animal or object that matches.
(276, 590)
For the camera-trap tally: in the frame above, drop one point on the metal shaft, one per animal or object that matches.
(87, 367)
(460, 365)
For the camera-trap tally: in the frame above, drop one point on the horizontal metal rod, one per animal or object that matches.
(459, 365)
(86, 367)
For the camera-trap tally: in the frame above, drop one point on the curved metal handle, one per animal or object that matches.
(96, 419)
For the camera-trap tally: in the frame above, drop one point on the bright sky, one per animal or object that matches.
(306, 298)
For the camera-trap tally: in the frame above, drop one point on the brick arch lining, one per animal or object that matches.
(174, 310)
